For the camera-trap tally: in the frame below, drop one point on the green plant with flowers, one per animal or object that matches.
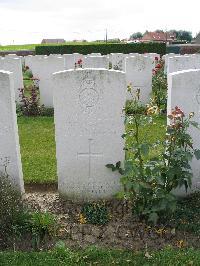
(149, 181)
(159, 87)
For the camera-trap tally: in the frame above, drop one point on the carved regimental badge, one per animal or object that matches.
(88, 95)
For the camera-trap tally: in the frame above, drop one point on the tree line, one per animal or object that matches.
(181, 35)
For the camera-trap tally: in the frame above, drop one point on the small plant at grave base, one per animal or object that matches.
(19, 110)
(47, 111)
(78, 64)
(159, 88)
(42, 225)
(11, 206)
(148, 182)
(30, 104)
(94, 213)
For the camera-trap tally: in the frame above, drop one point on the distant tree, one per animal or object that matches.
(183, 35)
(136, 35)
(158, 31)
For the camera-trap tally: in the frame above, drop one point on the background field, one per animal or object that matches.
(32, 46)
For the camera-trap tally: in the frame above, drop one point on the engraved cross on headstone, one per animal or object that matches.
(90, 155)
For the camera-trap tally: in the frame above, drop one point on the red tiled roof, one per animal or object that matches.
(158, 36)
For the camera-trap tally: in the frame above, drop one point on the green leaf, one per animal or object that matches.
(194, 124)
(144, 185)
(120, 195)
(121, 171)
(111, 166)
(118, 164)
(197, 154)
(153, 217)
(144, 149)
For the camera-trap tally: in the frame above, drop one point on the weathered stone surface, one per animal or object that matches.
(89, 123)
(139, 75)
(118, 61)
(184, 92)
(184, 62)
(14, 65)
(95, 62)
(43, 68)
(10, 159)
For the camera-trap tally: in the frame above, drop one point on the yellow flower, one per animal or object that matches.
(161, 231)
(129, 87)
(191, 114)
(82, 219)
(180, 244)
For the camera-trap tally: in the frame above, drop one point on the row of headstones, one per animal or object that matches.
(89, 124)
(175, 62)
(138, 69)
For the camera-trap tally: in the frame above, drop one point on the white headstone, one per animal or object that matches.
(14, 65)
(154, 57)
(94, 54)
(71, 60)
(28, 60)
(11, 56)
(95, 62)
(184, 62)
(43, 68)
(9, 140)
(77, 57)
(139, 75)
(166, 59)
(184, 92)
(89, 123)
(118, 61)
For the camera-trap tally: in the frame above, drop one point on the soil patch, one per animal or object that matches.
(123, 231)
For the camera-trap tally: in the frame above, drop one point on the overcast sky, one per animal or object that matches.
(29, 21)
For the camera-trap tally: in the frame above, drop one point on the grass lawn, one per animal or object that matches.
(38, 146)
(32, 46)
(17, 47)
(37, 149)
(94, 256)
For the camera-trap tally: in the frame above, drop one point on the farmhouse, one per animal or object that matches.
(53, 41)
(159, 37)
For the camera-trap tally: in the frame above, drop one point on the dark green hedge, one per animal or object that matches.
(159, 48)
(173, 49)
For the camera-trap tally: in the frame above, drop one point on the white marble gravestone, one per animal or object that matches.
(89, 124)
(96, 62)
(94, 54)
(43, 68)
(118, 61)
(11, 56)
(70, 60)
(139, 75)
(28, 60)
(166, 58)
(9, 140)
(184, 62)
(153, 57)
(14, 65)
(184, 92)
